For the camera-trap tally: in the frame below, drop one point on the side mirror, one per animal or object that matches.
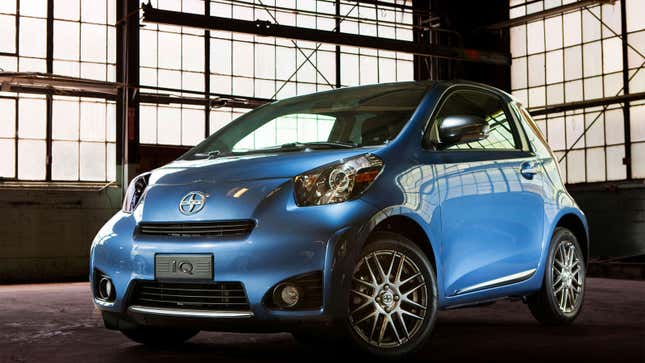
(461, 129)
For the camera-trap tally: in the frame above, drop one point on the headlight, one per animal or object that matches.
(338, 182)
(135, 192)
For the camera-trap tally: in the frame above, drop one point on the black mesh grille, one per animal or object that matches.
(239, 228)
(210, 296)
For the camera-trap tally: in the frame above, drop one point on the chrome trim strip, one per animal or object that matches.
(504, 280)
(190, 313)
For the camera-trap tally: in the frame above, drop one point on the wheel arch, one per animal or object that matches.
(410, 229)
(577, 224)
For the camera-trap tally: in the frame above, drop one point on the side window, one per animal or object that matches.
(502, 132)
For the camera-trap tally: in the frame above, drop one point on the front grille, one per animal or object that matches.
(238, 228)
(207, 296)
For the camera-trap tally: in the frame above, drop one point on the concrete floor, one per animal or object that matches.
(57, 323)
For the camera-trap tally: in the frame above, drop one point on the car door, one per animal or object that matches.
(490, 195)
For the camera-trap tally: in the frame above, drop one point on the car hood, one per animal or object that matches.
(233, 186)
(249, 167)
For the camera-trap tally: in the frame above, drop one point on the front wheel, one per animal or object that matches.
(393, 300)
(559, 301)
(159, 337)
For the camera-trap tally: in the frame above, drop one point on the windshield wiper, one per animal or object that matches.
(210, 155)
(316, 144)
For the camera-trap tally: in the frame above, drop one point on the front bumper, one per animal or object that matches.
(286, 242)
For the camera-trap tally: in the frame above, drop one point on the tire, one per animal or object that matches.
(159, 337)
(552, 305)
(391, 318)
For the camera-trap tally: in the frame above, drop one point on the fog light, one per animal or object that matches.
(289, 295)
(105, 289)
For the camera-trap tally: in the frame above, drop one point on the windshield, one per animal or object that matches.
(344, 118)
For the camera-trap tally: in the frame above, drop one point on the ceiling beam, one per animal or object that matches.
(596, 102)
(269, 29)
(558, 10)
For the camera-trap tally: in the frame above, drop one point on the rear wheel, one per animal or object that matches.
(159, 337)
(393, 300)
(560, 300)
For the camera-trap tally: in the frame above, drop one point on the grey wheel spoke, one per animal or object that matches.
(411, 314)
(362, 294)
(366, 317)
(396, 332)
(381, 333)
(380, 269)
(389, 270)
(423, 284)
(405, 327)
(368, 284)
(399, 270)
(410, 279)
(415, 304)
(393, 315)
(367, 263)
(376, 315)
(366, 304)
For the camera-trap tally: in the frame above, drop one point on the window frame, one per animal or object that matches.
(519, 134)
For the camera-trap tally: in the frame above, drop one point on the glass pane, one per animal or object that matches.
(65, 9)
(535, 36)
(574, 131)
(193, 53)
(32, 36)
(94, 11)
(553, 29)
(148, 124)
(92, 121)
(615, 167)
(7, 159)
(638, 160)
(64, 160)
(8, 33)
(518, 41)
(576, 166)
(65, 116)
(7, 117)
(637, 120)
(614, 127)
(554, 66)
(595, 165)
(31, 159)
(92, 161)
(66, 38)
(111, 162)
(93, 42)
(169, 125)
(32, 118)
(169, 50)
(192, 126)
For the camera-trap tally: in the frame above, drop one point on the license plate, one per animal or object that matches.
(184, 267)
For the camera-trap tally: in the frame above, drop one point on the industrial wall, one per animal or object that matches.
(616, 218)
(45, 234)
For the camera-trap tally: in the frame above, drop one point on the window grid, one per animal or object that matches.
(79, 50)
(263, 67)
(574, 57)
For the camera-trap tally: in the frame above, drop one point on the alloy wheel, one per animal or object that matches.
(568, 277)
(389, 299)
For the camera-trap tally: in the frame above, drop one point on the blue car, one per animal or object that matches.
(358, 212)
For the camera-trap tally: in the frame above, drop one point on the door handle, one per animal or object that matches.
(529, 169)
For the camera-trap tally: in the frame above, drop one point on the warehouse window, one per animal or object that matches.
(575, 57)
(243, 65)
(82, 138)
